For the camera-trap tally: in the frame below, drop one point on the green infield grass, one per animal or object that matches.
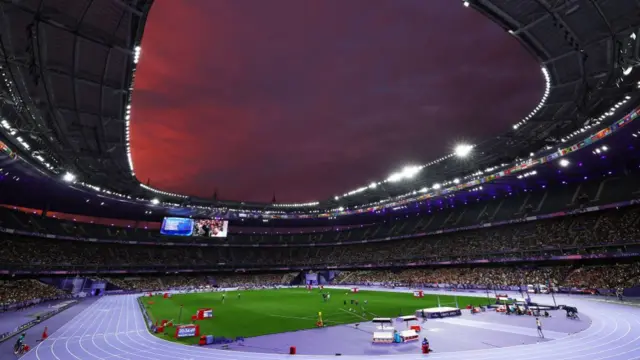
(249, 313)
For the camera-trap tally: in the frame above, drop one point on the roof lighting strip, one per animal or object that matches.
(137, 51)
(11, 131)
(595, 122)
(543, 101)
(308, 204)
(166, 193)
(411, 171)
(521, 166)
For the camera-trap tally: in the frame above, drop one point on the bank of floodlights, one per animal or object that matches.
(600, 150)
(407, 173)
(136, 54)
(463, 150)
(68, 177)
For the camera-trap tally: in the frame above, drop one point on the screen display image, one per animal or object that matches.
(175, 226)
(210, 228)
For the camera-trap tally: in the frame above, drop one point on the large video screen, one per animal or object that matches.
(176, 226)
(210, 228)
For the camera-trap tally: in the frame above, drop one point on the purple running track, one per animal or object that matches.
(113, 328)
(53, 324)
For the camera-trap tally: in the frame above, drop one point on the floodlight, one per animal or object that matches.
(466, 4)
(155, 201)
(407, 173)
(436, 186)
(463, 150)
(68, 177)
(564, 162)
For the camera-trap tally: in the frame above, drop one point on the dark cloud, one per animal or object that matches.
(309, 99)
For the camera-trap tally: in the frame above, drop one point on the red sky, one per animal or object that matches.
(309, 99)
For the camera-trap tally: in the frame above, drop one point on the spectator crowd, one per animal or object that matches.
(615, 231)
(584, 277)
(22, 294)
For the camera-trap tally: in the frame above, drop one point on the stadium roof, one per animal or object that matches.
(69, 66)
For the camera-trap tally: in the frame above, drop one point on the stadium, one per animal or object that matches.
(524, 245)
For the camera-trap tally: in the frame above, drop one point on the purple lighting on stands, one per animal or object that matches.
(603, 157)
(579, 164)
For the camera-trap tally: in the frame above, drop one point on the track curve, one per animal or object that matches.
(113, 328)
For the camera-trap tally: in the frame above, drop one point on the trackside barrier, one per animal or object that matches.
(147, 318)
(9, 334)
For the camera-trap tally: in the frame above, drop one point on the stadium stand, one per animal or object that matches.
(561, 277)
(595, 276)
(510, 207)
(583, 233)
(21, 294)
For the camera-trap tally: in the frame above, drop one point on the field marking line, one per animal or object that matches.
(340, 320)
(292, 317)
(354, 314)
(373, 314)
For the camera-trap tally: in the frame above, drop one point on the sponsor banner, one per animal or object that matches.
(439, 315)
(187, 331)
(4, 148)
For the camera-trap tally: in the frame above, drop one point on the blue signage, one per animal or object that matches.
(176, 226)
